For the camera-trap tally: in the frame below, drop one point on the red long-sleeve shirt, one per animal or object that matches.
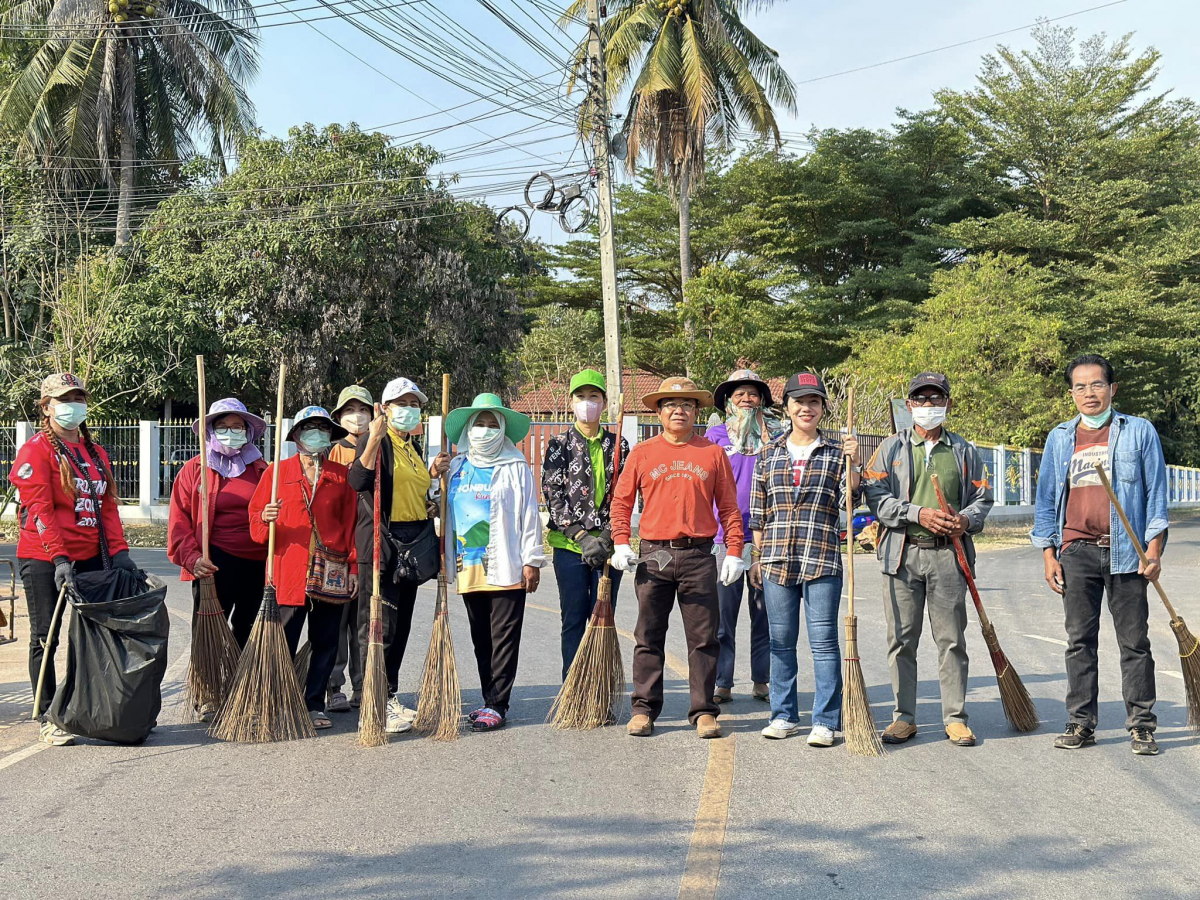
(53, 523)
(679, 484)
(183, 524)
(335, 508)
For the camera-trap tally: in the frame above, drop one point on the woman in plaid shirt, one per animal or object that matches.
(797, 495)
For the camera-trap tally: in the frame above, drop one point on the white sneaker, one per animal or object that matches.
(780, 729)
(55, 736)
(820, 736)
(397, 723)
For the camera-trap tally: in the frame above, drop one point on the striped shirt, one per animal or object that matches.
(801, 532)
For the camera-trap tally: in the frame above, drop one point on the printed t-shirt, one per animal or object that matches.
(471, 499)
(1088, 507)
(410, 481)
(800, 456)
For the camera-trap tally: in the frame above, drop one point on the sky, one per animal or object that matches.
(305, 77)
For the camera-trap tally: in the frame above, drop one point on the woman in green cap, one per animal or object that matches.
(577, 477)
(495, 539)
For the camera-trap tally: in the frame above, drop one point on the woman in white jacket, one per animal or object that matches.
(495, 539)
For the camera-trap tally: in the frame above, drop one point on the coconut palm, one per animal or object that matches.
(112, 84)
(696, 76)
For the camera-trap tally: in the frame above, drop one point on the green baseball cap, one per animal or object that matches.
(354, 392)
(516, 425)
(588, 377)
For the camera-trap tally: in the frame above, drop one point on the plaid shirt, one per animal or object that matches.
(801, 532)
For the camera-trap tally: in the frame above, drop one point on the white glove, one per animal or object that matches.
(623, 557)
(732, 569)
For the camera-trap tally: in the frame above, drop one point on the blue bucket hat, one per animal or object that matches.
(316, 413)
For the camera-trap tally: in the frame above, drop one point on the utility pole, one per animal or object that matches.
(598, 91)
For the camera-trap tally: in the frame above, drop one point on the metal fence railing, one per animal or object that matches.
(177, 444)
(122, 442)
(8, 451)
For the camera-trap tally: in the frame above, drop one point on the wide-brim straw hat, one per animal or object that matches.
(677, 387)
(516, 425)
(232, 407)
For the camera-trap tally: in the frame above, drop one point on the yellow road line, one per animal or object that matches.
(702, 872)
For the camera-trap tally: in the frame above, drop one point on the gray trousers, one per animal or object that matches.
(927, 578)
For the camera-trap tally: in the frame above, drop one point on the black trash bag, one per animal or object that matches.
(116, 657)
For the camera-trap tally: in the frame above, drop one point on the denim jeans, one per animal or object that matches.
(577, 586)
(821, 598)
(760, 639)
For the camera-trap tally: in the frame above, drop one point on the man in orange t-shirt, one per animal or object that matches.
(680, 476)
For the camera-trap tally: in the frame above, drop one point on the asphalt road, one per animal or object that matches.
(530, 812)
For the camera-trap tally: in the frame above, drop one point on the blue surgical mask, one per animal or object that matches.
(1094, 422)
(404, 418)
(69, 415)
(314, 441)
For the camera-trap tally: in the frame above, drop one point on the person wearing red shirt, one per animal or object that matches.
(681, 477)
(315, 504)
(68, 507)
(233, 467)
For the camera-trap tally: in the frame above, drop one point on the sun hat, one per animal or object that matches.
(516, 425)
(60, 383)
(353, 392)
(231, 406)
(315, 413)
(677, 386)
(737, 379)
(588, 377)
(398, 387)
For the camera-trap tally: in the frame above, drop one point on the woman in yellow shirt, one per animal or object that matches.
(409, 546)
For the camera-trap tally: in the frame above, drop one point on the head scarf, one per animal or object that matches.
(496, 452)
(227, 462)
(749, 429)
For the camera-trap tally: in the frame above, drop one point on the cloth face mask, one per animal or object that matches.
(356, 423)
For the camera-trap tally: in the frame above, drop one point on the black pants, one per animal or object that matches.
(1087, 579)
(496, 618)
(399, 601)
(323, 620)
(239, 583)
(41, 596)
(347, 646)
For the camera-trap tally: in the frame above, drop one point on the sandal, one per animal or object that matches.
(320, 721)
(474, 714)
(487, 720)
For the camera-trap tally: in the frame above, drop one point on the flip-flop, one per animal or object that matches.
(320, 721)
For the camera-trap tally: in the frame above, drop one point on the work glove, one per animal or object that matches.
(122, 560)
(64, 572)
(623, 557)
(594, 552)
(732, 569)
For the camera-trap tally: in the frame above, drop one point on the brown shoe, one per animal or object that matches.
(762, 691)
(899, 732)
(960, 735)
(707, 727)
(722, 695)
(639, 726)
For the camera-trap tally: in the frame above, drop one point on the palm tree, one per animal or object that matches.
(696, 73)
(114, 83)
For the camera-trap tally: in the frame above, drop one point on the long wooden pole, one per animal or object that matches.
(203, 457)
(1133, 537)
(849, 506)
(279, 439)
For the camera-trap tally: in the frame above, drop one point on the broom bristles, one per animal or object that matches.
(214, 653)
(265, 703)
(372, 720)
(593, 692)
(1018, 705)
(301, 664)
(858, 722)
(1189, 661)
(439, 703)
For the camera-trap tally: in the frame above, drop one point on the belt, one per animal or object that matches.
(683, 543)
(1102, 541)
(931, 543)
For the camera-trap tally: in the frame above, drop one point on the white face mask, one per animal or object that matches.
(929, 416)
(482, 436)
(356, 422)
(587, 411)
(404, 418)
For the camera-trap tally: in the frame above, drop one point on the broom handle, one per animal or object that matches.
(616, 463)
(279, 437)
(1133, 538)
(375, 524)
(46, 654)
(849, 504)
(444, 480)
(203, 458)
(961, 553)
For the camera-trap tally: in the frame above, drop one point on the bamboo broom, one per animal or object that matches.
(214, 653)
(1189, 646)
(265, 701)
(1018, 707)
(439, 704)
(594, 688)
(372, 720)
(858, 723)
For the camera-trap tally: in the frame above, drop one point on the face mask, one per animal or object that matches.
(1094, 422)
(482, 436)
(587, 411)
(314, 441)
(232, 440)
(404, 418)
(356, 423)
(69, 415)
(929, 416)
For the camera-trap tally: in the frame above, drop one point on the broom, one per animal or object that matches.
(439, 706)
(373, 718)
(1189, 646)
(1018, 707)
(302, 662)
(214, 654)
(265, 702)
(595, 684)
(858, 724)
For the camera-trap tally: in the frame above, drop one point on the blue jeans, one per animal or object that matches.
(730, 596)
(577, 586)
(822, 598)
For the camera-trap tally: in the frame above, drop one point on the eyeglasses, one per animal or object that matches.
(685, 405)
(1096, 387)
(929, 400)
(230, 429)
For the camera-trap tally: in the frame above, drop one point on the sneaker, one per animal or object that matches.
(396, 723)
(820, 736)
(55, 736)
(356, 698)
(780, 729)
(206, 712)
(1074, 737)
(338, 702)
(1143, 742)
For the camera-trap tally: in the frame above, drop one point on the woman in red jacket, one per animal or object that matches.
(233, 466)
(315, 504)
(68, 500)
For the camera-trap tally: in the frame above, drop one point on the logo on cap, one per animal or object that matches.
(806, 379)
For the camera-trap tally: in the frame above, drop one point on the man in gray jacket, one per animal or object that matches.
(919, 564)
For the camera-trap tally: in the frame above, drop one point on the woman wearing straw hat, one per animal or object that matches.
(408, 545)
(494, 536)
(314, 518)
(233, 467)
(68, 517)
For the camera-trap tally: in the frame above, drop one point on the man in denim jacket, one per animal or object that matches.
(1088, 554)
